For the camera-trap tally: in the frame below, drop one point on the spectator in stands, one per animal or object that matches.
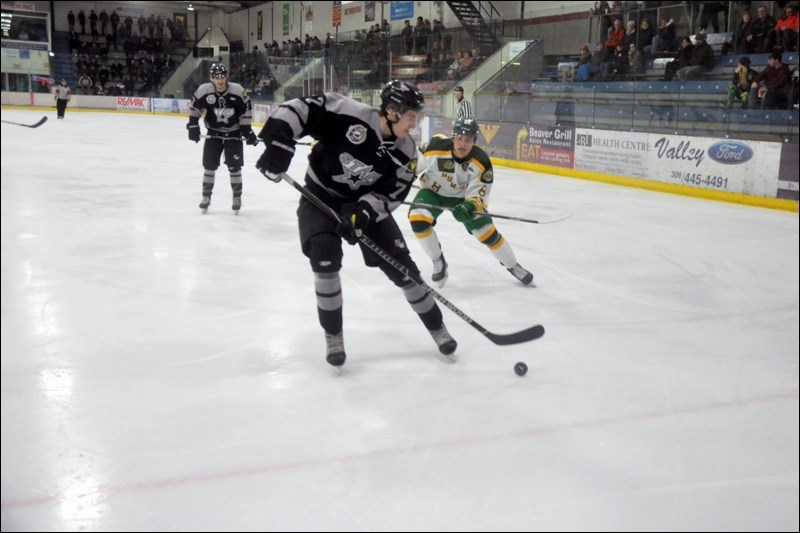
(584, 59)
(421, 33)
(82, 21)
(743, 38)
(478, 57)
(617, 65)
(103, 18)
(463, 107)
(630, 33)
(114, 21)
(616, 34)
(772, 87)
(93, 22)
(682, 59)
(762, 26)
(465, 64)
(701, 60)
(129, 85)
(85, 84)
(71, 20)
(710, 15)
(665, 40)
(635, 61)
(645, 36)
(602, 9)
(585, 72)
(786, 29)
(437, 30)
(408, 37)
(743, 78)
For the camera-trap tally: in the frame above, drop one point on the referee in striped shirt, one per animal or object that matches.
(463, 107)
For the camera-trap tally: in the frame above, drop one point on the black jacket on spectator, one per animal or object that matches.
(702, 55)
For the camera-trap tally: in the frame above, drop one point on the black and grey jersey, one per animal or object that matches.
(228, 113)
(351, 160)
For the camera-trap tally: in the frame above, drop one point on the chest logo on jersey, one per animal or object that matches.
(356, 134)
(445, 165)
(223, 114)
(211, 99)
(356, 174)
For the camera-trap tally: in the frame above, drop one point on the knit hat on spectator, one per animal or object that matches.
(744, 61)
(699, 37)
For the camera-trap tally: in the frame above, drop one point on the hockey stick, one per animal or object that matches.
(223, 138)
(493, 215)
(529, 334)
(241, 139)
(42, 121)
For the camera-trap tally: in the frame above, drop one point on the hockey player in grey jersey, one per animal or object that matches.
(362, 166)
(455, 173)
(228, 118)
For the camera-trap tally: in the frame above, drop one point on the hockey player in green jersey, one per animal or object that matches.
(457, 174)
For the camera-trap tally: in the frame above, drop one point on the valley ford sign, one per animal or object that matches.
(730, 152)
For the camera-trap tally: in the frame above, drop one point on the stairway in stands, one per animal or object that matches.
(483, 29)
(62, 65)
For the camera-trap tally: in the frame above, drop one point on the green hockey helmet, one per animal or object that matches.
(465, 126)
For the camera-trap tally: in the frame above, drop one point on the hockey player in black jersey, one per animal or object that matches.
(228, 118)
(362, 165)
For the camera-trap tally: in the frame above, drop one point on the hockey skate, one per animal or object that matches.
(439, 271)
(447, 344)
(521, 274)
(335, 349)
(237, 204)
(204, 203)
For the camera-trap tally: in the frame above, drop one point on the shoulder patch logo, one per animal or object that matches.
(356, 134)
(489, 131)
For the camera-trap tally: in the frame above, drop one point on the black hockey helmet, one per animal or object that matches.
(403, 96)
(218, 70)
(465, 126)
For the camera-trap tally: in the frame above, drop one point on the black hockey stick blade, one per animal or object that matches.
(42, 121)
(530, 334)
(525, 335)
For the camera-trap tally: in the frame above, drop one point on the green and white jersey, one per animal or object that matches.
(439, 170)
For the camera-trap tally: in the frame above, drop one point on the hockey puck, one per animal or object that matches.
(521, 368)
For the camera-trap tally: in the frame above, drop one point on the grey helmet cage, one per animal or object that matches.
(402, 96)
(465, 126)
(218, 70)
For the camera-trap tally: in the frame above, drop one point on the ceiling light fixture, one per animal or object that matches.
(191, 7)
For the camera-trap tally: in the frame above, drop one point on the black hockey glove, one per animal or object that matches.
(194, 132)
(250, 137)
(356, 222)
(276, 158)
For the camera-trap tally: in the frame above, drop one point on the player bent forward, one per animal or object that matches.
(362, 167)
(455, 173)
